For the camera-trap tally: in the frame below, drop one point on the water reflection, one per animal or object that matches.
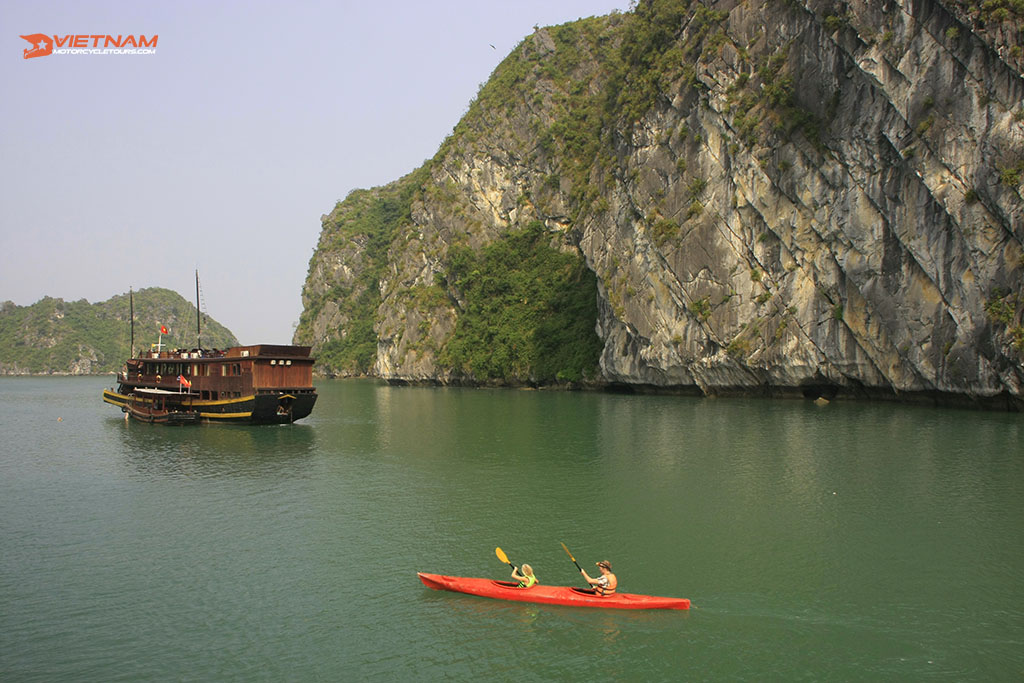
(214, 450)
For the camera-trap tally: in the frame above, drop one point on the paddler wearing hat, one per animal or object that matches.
(604, 584)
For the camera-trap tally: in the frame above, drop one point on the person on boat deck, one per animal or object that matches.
(526, 579)
(604, 584)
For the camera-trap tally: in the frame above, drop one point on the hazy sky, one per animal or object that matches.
(221, 151)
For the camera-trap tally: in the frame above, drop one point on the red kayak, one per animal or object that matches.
(551, 595)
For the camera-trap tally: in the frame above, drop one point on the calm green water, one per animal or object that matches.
(845, 542)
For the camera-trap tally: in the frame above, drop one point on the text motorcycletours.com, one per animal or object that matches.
(44, 45)
(104, 51)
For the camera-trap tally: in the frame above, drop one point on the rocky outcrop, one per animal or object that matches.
(776, 198)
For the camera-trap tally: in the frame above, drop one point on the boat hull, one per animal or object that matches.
(268, 408)
(152, 415)
(551, 595)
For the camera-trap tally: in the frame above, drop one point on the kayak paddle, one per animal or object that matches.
(504, 558)
(573, 560)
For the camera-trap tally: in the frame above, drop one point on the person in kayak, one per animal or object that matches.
(526, 579)
(604, 584)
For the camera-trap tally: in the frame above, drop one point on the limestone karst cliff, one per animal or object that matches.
(776, 198)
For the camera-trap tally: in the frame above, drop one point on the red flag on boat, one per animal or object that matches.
(163, 330)
(184, 382)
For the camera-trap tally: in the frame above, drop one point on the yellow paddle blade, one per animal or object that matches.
(501, 555)
(568, 553)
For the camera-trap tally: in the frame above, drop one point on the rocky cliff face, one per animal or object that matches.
(817, 198)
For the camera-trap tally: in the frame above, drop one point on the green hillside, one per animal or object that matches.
(53, 336)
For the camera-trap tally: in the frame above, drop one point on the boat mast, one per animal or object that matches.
(199, 335)
(131, 318)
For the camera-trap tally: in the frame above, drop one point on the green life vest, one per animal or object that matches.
(530, 580)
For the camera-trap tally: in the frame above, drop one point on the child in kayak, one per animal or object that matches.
(526, 579)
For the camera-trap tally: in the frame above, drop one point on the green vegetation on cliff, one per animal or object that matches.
(56, 336)
(529, 311)
(371, 219)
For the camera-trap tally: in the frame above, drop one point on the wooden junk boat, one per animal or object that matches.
(261, 384)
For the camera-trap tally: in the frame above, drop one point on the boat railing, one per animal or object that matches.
(185, 354)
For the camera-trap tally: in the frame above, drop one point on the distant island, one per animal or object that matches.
(57, 337)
